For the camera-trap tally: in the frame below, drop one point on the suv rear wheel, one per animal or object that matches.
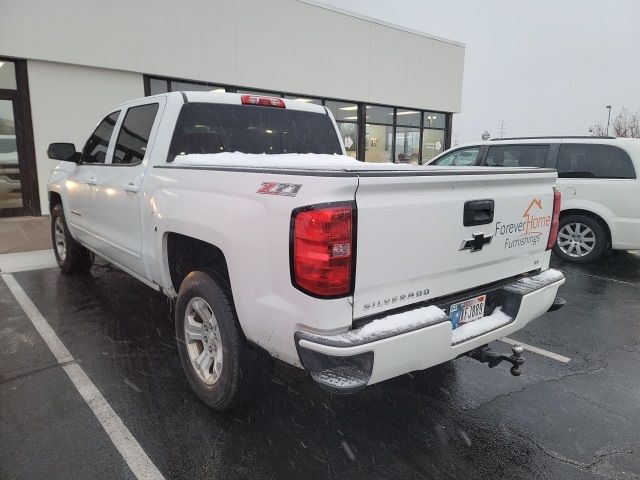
(581, 239)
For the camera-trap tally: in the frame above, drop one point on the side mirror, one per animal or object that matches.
(63, 151)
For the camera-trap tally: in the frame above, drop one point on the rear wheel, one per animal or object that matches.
(581, 239)
(70, 255)
(218, 363)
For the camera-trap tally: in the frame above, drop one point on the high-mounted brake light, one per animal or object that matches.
(264, 101)
(555, 220)
(322, 249)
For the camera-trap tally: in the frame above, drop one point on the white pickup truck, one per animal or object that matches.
(247, 211)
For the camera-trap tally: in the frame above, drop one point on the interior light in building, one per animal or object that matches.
(1, 64)
(218, 90)
(305, 100)
(351, 118)
(354, 107)
(269, 131)
(406, 113)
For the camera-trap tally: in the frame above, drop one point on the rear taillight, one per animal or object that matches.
(555, 220)
(264, 101)
(322, 249)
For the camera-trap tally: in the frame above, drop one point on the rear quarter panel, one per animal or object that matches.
(224, 209)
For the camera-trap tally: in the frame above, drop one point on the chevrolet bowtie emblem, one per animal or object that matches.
(476, 243)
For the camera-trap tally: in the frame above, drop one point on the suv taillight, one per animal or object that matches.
(323, 249)
(555, 220)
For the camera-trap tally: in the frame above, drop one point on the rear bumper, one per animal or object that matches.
(420, 338)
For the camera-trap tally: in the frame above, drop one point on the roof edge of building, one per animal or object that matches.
(381, 22)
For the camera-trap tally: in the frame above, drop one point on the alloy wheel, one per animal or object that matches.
(576, 240)
(60, 239)
(202, 337)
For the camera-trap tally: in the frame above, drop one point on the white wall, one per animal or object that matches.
(67, 102)
(285, 45)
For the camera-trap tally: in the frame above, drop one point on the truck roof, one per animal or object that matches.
(234, 99)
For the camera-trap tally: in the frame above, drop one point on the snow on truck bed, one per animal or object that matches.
(304, 161)
(284, 160)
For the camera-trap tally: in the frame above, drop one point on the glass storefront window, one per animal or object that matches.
(379, 143)
(392, 134)
(432, 143)
(377, 114)
(407, 145)
(157, 86)
(408, 118)
(194, 87)
(349, 134)
(315, 101)
(434, 120)
(258, 92)
(343, 111)
(8, 75)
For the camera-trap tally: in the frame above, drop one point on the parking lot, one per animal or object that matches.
(575, 419)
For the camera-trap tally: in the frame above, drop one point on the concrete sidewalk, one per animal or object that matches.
(24, 234)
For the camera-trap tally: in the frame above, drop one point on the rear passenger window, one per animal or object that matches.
(134, 134)
(594, 161)
(460, 158)
(517, 155)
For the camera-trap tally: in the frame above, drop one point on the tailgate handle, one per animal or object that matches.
(478, 212)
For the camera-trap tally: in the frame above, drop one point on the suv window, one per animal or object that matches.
(459, 158)
(517, 155)
(134, 134)
(216, 128)
(594, 161)
(95, 150)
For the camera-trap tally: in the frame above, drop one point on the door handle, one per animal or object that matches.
(130, 187)
(478, 212)
(92, 182)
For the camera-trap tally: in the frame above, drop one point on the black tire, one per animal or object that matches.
(235, 382)
(74, 258)
(572, 222)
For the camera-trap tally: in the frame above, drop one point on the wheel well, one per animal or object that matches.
(54, 199)
(587, 213)
(186, 254)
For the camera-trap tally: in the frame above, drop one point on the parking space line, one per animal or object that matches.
(138, 461)
(539, 351)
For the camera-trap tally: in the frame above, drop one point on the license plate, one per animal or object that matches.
(467, 311)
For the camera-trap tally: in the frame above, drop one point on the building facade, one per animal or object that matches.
(63, 64)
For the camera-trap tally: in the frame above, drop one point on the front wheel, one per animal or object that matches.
(581, 239)
(70, 255)
(218, 363)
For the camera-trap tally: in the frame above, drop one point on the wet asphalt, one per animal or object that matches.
(458, 420)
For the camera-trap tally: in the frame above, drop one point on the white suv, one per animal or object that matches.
(597, 177)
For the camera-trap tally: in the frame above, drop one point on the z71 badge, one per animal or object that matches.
(282, 189)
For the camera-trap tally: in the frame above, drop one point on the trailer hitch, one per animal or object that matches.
(484, 355)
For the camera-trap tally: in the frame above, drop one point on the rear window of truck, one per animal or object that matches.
(217, 128)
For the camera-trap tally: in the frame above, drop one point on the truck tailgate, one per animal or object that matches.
(412, 244)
